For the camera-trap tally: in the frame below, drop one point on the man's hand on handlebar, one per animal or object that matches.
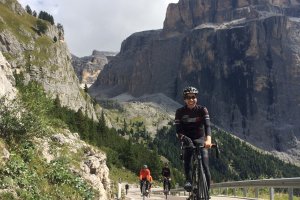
(207, 142)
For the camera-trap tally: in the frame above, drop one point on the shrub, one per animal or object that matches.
(41, 26)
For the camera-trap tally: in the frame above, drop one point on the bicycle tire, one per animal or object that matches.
(203, 192)
(195, 178)
(166, 190)
(199, 183)
(144, 189)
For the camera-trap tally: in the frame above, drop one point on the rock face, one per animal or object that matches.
(187, 14)
(88, 68)
(92, 163)
(40, 57)
(245, 64)
(139, 67)
(7, 80)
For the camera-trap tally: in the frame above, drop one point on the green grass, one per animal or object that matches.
(25, 172)
(124, 174)
(23, 28)
(7, 196)
(17, 23)
(41, 53)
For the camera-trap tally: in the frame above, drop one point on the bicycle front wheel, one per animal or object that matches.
(166, 190)
(202, 192)
(144, 190)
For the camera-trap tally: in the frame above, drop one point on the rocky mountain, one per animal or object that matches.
(42, 57)
(7, 80)
(87, 68)
(243, 56)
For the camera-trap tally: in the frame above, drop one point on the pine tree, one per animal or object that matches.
(34, 13)
(41, 26)
(28, 10)
(125, 126)
(85, 88)
(45, 16)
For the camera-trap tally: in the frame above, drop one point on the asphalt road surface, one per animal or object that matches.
(134, 194)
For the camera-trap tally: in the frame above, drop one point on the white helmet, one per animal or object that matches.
(190, 90)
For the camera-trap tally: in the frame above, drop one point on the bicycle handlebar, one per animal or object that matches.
(213, 145)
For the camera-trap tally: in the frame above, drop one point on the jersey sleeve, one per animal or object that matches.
(206, 122)
(177, 122)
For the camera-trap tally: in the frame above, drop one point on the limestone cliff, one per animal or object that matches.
(242, 55)
(188, 14)
(7, 80)
(91, 165)
(40, 57)
(87, 68)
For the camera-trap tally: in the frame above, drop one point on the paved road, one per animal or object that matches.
(134, 194)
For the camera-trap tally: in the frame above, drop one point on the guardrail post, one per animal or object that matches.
(271, 193)
(256, 192)
(119, 190)
(234, 192)
(245, 191)
(291, 193)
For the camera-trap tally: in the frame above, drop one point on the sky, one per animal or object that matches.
(101, 24)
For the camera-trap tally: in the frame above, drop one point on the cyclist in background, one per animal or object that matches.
(193, 126)
(145, 176)
(166, 173)
(126, 188)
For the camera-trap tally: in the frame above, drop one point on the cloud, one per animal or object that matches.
(102, 24)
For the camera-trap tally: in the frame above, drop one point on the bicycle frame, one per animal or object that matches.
(199, 182)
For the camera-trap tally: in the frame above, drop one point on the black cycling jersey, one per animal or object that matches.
(194, 123)
(165, 172)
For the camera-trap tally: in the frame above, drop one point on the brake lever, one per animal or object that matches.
(216, 147)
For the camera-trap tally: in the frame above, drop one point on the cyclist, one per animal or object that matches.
(126, 188)
(193, 125)
(166, 173)
(145, 176)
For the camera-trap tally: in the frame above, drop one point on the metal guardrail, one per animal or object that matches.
(289, 183)
(279, 182)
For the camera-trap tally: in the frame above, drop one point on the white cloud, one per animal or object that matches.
(102, 24)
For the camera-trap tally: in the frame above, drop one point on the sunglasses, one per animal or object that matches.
(190, 97)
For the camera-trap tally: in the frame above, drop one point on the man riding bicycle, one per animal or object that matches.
(145, 176)
(193, 126)
(166, 173)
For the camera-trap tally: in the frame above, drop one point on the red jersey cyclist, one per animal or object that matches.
(145, 176)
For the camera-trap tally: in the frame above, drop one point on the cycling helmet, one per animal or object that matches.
(190, 90)
(145, 166)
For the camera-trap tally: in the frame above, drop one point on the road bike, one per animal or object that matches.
(166, 186)
(199, 183)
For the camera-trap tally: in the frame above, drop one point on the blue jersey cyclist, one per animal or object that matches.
(193, 125)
